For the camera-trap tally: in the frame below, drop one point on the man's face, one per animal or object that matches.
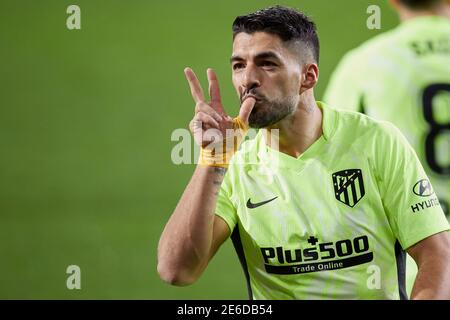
(265, 68)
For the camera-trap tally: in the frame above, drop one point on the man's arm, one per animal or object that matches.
(193, 233)
(432, 256)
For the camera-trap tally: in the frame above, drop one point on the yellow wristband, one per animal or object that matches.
(220, 154)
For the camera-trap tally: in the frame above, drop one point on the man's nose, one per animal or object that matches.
(251, 78)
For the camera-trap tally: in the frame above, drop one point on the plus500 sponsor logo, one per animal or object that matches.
(320, 251)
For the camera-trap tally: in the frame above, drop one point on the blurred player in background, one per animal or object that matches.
(403, 76)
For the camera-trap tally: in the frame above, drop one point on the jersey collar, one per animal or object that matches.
(273, 157)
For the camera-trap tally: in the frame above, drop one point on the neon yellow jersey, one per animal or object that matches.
(334, 222)
(403, 76)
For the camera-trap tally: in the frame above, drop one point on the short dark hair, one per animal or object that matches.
(419, 4)
(290, 25)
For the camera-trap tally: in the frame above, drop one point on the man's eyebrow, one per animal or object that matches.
(267, 55)
(235, 58)
(261, 55)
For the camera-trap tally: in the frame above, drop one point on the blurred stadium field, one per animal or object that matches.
(86, 118)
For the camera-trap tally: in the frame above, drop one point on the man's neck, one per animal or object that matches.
(440, 10)
(297, 132)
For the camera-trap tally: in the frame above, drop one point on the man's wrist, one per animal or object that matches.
(220, 154)
(212, 158)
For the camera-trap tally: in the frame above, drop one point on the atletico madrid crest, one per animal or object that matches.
(348, 186)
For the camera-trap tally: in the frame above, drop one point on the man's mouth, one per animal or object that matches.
(257, 98)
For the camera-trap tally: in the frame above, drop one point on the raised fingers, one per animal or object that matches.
(194, 84)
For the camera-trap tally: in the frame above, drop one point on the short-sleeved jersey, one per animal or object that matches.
(334, 222)
(403, 76)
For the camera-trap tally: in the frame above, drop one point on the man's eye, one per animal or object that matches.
(268, 64)
(238, 66)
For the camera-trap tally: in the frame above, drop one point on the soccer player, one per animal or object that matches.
(327, 215)
(403, 76)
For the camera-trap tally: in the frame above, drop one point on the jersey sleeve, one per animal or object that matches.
(343, 90)
(412, 207)
(224, 206)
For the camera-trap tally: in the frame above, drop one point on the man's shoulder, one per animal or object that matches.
(377, 139)
(353, 119)
(355, 124)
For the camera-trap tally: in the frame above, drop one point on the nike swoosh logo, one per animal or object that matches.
(251, 205)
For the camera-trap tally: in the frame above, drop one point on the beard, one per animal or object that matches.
(268, 112)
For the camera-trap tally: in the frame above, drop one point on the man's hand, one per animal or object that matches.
(214, 131)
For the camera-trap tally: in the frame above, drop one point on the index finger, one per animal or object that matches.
(246, 109)
(214, 91)
(194, 84)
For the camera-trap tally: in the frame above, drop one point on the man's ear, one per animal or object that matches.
(310, 76)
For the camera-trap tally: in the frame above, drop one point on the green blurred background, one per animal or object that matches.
(86, 117)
